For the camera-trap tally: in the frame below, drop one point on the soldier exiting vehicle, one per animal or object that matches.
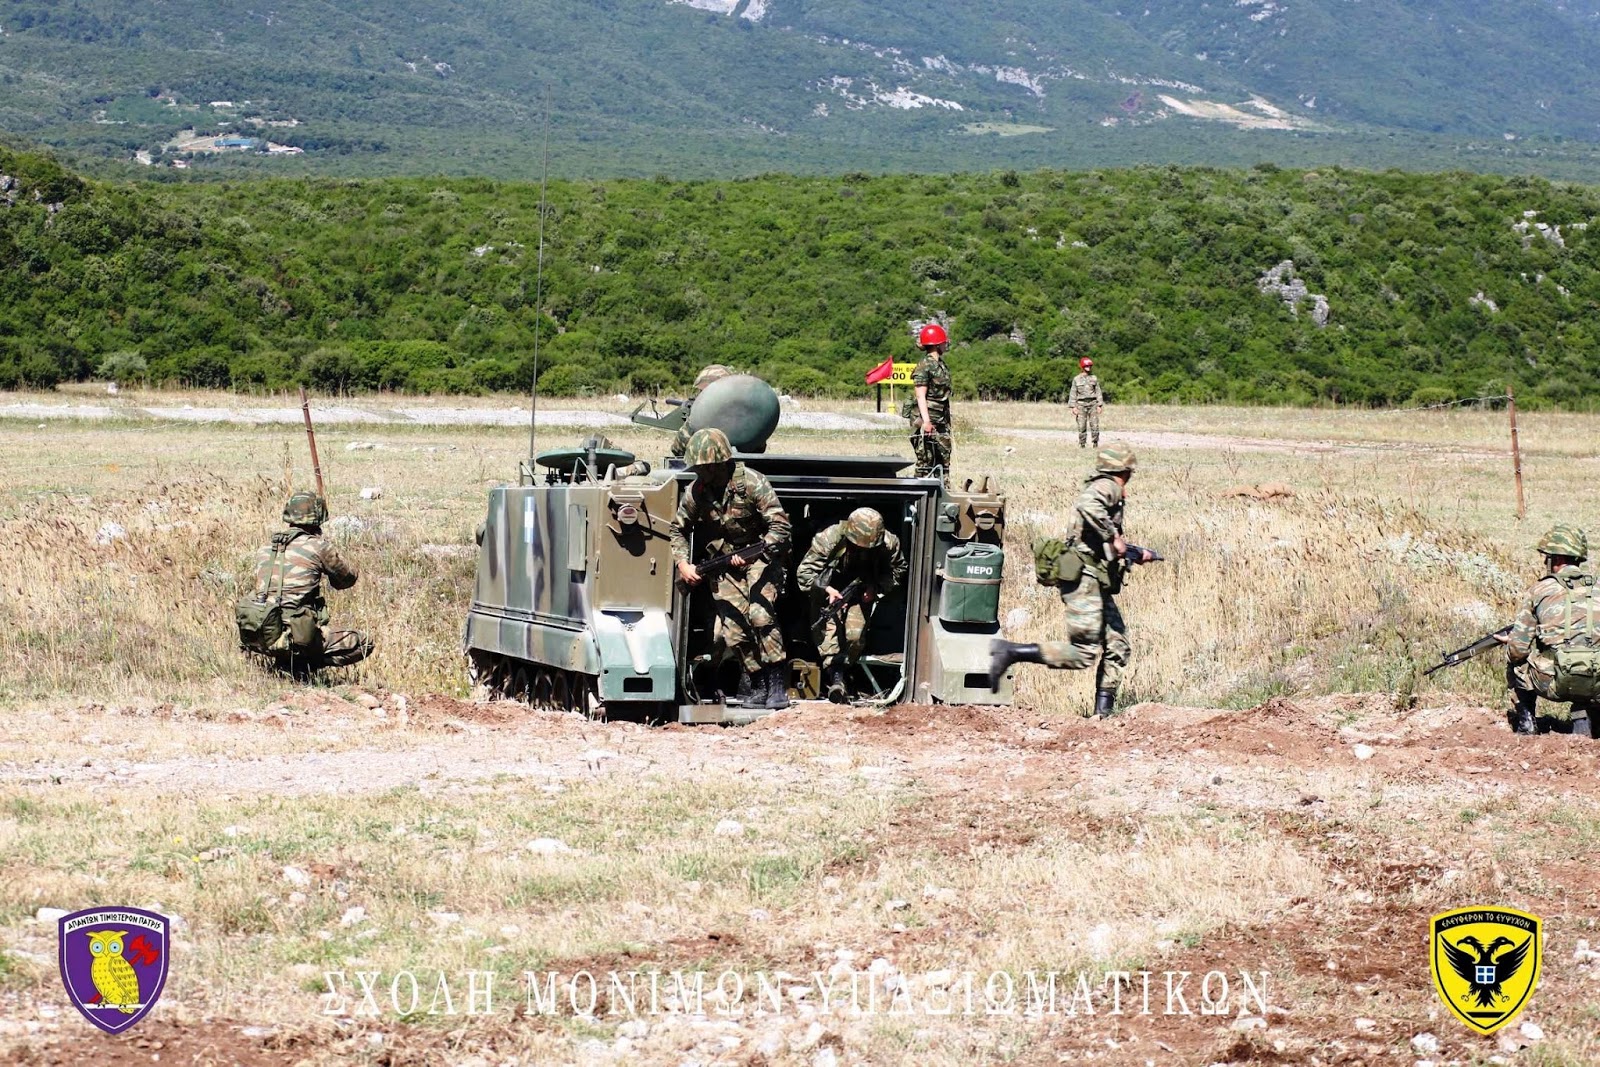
(850, 566)
(714, 373)
(1086, 402)
(1090, 569)
(286, 618)
(734, 509)
(928, 408)
(1553, 650)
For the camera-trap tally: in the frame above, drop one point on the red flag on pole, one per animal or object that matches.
(882, 372)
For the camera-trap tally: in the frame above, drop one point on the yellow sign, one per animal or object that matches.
(902, 374)
(1485, 963)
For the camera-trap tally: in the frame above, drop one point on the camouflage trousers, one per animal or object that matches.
(1095, 630)
(332, 648)
(846, 635)
(933, 450)
(1088, 420)
(747, 621)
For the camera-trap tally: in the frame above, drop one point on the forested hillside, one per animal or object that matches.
(1426, 286)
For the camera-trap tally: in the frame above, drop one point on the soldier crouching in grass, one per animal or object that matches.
(1553, 650)
(286, 618)
(1088, 571)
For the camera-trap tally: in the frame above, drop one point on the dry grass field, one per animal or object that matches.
(1282, 795)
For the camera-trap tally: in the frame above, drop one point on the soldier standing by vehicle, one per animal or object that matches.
(1090, 571)
(286, 619)
(735, 509)
(714, 373)
(1086, 401)
(928, 408)
(850, 566)
(1553, 650)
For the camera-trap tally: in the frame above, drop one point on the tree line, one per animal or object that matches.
(1439, 286)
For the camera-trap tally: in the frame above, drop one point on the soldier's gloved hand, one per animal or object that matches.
(689, 573)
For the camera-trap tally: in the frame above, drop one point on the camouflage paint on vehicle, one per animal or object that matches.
(576, 606)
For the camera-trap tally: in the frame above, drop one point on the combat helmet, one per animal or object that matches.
(305, 508)
(714, 373)
(707, 446)
(1564, 539)
(864, 528)
(1114, 460)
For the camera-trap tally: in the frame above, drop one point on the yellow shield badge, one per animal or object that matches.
(1486, 963)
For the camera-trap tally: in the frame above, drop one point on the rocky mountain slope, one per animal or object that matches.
(738, 86)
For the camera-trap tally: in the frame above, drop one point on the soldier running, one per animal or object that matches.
(859, 552)
(1553, 650)
(1095, 630)
(1086, 401)
(928, 408)
(289, 573)
(735, 508)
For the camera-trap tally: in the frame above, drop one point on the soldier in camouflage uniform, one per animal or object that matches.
(714, 373)
(1095, 630)
(857, 549)
(1086, 401)
(290, 569)
(1560, 616)
(733, 507)
(928, 408)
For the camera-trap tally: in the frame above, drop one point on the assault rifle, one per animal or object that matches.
(716, 565)
(1466, 652)
(834, 610)
(1135, 554)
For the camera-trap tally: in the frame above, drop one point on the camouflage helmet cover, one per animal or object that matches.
(707, 446)
(714, 373)
(1564, 539)
(864, 528)
(305, 508)
(1114, 460)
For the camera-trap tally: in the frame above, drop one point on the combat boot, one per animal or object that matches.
(1523, 704)
(1003, 654)
(775, 688)
(1105, 702)
(833, 683)
(745, 694)
(1581, 726)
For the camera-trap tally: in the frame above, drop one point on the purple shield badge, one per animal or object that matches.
(114, 963)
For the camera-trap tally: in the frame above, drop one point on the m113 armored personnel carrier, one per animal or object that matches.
(576, 604)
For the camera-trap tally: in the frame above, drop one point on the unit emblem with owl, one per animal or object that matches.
(114, 963)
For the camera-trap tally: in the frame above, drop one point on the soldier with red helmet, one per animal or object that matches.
(928, 409)
(1086, 401)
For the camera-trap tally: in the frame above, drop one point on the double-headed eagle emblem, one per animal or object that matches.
(1485, 963)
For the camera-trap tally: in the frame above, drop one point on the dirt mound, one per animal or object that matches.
(924, 719)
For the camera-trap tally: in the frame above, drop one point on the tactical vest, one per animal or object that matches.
(264, 625)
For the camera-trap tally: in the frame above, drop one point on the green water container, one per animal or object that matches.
(969, 588)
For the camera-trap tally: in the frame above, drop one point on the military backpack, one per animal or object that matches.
(1577, 654)
(1056, 562)
(260, 615)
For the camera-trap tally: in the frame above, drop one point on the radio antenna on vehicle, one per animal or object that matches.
(538, 285)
